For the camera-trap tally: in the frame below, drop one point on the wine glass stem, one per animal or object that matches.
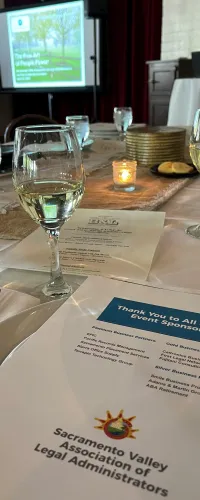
(122, 136)
(56, 273)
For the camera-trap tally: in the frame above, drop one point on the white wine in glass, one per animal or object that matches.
(194, 148)
(49, 179)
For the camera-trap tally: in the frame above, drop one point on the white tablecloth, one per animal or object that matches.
(177, 259)
(184, 101)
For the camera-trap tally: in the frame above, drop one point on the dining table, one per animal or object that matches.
(177, 258)
(83, 363)
(176, 262)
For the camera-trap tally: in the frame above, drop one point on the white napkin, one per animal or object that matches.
(8, 197)
(13, 302)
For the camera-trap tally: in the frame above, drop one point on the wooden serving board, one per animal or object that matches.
(150, 193)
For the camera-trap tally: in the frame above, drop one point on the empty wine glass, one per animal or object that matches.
(123, 118)
(48, 177)
(194, 148)
(82, 127)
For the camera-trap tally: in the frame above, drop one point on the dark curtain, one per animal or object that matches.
(132, 37)
(146, 20)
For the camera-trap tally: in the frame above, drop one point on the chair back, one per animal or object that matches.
(25, 120)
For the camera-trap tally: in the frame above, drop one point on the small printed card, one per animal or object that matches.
(114, 243)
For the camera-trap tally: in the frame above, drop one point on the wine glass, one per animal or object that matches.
(82, 127)
(49, 179)
(194, 148)
(123, 118)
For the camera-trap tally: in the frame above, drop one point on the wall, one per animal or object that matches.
(180, 28)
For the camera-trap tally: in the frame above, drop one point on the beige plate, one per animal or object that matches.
(142, 137)
(157, 142)
(161, 154)
(142, 133)
(157, 130)
(156, 139)
(153, 148)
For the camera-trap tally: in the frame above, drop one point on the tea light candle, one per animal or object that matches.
(124, 175)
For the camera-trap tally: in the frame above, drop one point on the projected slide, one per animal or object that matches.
(47, 46)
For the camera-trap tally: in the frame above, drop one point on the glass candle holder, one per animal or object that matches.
(124, 175)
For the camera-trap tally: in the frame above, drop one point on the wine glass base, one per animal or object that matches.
(122, 136)
(194, 231)
(53, 290)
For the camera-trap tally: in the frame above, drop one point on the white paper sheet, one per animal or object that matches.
(114, 243)
(105, 399)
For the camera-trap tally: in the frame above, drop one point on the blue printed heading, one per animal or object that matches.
(152, 318)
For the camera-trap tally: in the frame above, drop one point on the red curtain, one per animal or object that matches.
(133, 37)
(115, 92)
(146, 20)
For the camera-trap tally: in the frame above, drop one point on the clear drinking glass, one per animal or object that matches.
(49, 179)
(194, 148)
(123, 118)
(82, 127)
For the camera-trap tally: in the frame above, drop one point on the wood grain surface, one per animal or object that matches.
(151, 192)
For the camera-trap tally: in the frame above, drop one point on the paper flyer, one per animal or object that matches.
(114, 243)
(105, 399)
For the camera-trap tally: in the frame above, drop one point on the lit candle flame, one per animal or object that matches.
(125, 175)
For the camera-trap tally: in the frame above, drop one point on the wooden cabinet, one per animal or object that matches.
(158, 111)
(161, 76)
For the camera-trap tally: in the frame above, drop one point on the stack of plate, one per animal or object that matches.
(154, 145)
(104, 131)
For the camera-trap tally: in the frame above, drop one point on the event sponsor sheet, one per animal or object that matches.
(104, 400)
(114, 243)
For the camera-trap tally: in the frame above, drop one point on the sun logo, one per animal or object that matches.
(117, 427)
